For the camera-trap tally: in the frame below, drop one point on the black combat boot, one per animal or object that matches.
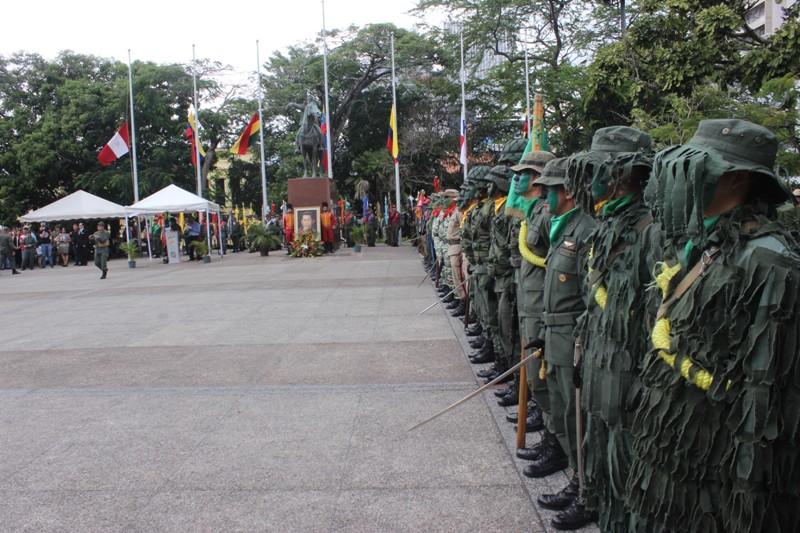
(473, 318)
(477, 342)
(459, 311)
(492, 370)
(535, 420)
(484, 355)
(454, 304)
(474, 330)
(552, 460)
(512, 395)
(574, 517)
(561, 499)
(535, 451)
(449, 298)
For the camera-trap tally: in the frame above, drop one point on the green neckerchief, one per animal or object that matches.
(708, 223)
(531, 206)
(618, 203)
(558, 225)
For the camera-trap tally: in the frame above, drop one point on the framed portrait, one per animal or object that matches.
(306, 218)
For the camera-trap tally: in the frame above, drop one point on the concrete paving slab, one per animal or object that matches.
(268, 394)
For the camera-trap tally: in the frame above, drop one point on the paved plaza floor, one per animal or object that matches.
(249, 394)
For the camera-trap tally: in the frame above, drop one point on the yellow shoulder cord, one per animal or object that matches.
(526, 252)
(661, 338)
(499, 203)
(464, 216)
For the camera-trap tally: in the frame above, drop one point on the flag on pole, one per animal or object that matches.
(323, 127)
(243, 142)
(525, 127)
(191, 128)
(391, 141)
(539, 136)
(116, 147)
(463, 138)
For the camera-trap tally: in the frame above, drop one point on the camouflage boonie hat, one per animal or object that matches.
(555, 173)
(534, 160)
(479, 174)
(744, 146)
(616, 139)
(512, 152)
(450, 193)
(501, 177)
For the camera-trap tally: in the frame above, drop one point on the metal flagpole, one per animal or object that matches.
(261, 141)
(196, 132)
(328, 125)
(396, 163)
(527, 89)
(133, 132)
(463, 125)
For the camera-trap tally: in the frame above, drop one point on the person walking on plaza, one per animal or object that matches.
(717, 431)
(7, 249)
(102, 240)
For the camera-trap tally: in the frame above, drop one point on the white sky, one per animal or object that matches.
(164, 31)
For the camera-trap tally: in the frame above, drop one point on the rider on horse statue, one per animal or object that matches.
(309, 140)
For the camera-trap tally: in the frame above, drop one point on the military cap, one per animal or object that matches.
(554, 173)
(534, 160)
(501, 177)
(101, 224)
(744, 146)
(512, 152)
(479, 174)
(617, 139)
(450, 193)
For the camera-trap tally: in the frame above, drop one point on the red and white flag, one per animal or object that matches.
(116, 147)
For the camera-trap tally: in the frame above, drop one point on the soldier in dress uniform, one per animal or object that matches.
(102, 240)
(565, 275)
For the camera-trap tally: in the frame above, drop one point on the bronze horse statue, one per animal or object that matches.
(309, 140)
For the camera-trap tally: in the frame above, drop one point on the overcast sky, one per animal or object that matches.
(163, 31)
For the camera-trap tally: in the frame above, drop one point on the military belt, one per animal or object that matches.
(560, 319)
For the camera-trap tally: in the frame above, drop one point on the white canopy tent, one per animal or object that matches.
(173, 199)
(79, 204)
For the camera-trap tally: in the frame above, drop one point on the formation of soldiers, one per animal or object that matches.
(659, 298)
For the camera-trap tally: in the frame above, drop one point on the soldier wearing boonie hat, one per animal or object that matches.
(454, 273)
(720, 378)
(563, 304)
(615, 329)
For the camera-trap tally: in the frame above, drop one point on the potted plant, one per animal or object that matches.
(131, 249)
(201, 250)
(359, 236)
(263, 238)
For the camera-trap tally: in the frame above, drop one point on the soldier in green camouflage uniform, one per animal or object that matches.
(478, 194)
(563, 303)
(614, 331)
(102, 240)
(485, 303)
(717, 432)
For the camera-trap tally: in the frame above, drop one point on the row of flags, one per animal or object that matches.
(119, 144)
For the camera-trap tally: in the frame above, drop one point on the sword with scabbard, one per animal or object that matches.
(496, 380)
(578, 381)
(445, 296)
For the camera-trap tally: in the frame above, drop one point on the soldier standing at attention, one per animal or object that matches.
(102, 240)
(477, 195)
(529, 242)
(717, 431)
(614, 331)
(564, 302)
(452, 235)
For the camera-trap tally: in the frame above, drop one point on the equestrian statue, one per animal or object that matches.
(309, 140)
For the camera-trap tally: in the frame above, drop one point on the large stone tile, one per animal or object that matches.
(240, 510)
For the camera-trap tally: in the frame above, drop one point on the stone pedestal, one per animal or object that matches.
(311, 192)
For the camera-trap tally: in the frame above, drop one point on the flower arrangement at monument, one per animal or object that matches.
(307, 245)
